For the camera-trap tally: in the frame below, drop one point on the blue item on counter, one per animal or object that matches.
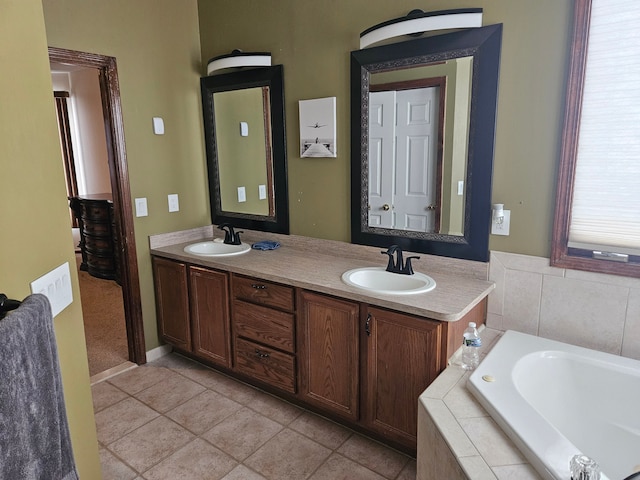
(265, 245)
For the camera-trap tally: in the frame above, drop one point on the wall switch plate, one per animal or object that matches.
(244, 129)
(158, 126)
(56, 286)
(501, 228)
(174, 205)
(141, 207)
(461, 187)
(242, 194)
(262, 192)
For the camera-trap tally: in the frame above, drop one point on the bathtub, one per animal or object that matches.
(556, 400)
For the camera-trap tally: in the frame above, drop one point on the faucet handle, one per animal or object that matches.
(408, 268)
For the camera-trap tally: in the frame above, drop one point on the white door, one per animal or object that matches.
(381, 158)
(415, 200)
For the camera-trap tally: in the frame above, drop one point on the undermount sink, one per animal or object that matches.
(216, 248)
(378, 280)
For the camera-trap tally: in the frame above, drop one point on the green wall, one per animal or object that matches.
(313, 39)
(157, 50)
(36, 237)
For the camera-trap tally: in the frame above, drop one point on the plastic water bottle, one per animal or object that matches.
(471, 343)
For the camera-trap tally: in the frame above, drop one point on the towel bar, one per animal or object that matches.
(6, 305)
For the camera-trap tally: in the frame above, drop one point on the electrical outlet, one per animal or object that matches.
(141, 207)
(174, 205)
(262, 192)
(56, 286)
(501, 228)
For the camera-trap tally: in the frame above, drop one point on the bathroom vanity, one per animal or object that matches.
(284, 321)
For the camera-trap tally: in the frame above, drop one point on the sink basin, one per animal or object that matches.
(378, 280)
(216, 248)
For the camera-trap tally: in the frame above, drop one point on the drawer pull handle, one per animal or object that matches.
(367, 325)
(260, 354)
(258, 286)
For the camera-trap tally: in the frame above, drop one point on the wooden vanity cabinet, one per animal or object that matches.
(329, 353)
(210, 320)
(402, 355)
(172, 302)
(264, 332)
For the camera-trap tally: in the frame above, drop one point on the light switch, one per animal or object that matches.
(158, 126)
(262, 192)
(56, 286)
(242, 194)
(141, 207)
(461, 187)
(174, 205)
(244, 129)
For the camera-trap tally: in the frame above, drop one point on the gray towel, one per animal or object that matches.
(34, 433)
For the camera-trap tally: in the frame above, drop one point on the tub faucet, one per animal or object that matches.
(398, 265)
(584, 468)
(231, 237)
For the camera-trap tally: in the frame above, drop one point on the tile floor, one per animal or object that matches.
(175, 419)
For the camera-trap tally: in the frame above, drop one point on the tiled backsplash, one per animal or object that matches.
(588, 309)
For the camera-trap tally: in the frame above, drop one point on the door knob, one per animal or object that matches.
(431, 207)
(385, 207)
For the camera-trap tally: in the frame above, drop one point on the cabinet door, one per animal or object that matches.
(402, 358)
(172, 302)
(329, 353)
(210, 315)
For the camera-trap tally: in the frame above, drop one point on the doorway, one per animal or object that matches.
(119, 183)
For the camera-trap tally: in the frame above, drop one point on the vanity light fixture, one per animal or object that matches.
(238, 59)
(416, 22)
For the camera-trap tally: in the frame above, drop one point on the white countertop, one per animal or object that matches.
(318, 265)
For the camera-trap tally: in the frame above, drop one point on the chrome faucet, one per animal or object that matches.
(398, 265)
(231, 237)
(584, 468)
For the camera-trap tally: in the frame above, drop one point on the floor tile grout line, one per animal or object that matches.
(287, 426)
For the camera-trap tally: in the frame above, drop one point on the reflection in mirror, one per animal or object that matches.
(422, 133)
(417, 162)
(246, 152)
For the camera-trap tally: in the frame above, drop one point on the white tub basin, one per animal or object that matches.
(216, 248)
(378, 280)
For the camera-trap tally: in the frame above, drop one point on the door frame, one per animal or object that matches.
(119, 177)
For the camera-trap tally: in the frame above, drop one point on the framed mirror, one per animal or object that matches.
(246, 151)
(423, 116)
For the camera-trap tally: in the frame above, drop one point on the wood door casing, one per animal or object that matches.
(172, 302)
(210, 315)
(403, 356)
(329, 353)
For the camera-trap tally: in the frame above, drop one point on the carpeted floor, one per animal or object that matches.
(104, 323)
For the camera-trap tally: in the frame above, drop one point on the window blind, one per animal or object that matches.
(605, 211)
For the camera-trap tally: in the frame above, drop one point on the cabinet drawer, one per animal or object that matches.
(264, 325)
(97, 211)
(100, 245)
(263, 293)
(265, 364)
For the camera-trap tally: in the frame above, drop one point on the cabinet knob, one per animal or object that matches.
(260, 354)
(258, 286)
(367, 325)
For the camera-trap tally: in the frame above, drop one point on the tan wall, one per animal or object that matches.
(313, 39)
(156, 46)
(35, 221)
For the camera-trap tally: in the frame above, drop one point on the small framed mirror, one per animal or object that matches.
(246, 151)
(423, 118)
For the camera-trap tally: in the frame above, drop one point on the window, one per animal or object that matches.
(597, 221)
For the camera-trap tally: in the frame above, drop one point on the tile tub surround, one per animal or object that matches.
(318, 265)
(457, 439)
(591, 310)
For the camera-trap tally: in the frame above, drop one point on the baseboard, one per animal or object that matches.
(158, 352)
